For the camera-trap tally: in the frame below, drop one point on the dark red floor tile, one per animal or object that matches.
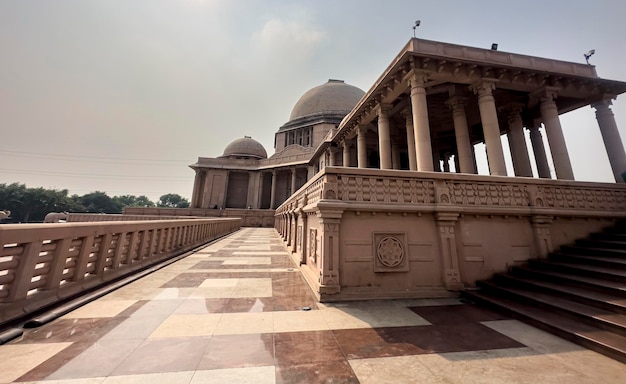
(326, 372)
(457, 314)
(306, 347)
(71, 330)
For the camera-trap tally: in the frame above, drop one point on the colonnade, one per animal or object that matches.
(420, 146)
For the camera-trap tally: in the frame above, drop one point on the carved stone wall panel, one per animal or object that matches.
(313, 245)
(390, 252)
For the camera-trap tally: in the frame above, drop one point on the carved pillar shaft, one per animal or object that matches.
(461, 132)
(541, 160)
(554, 132)
(346, 154)
(384, 138)
(362, 147)
(491, 128)
(410, 140)
(421, 126)
(517, 143)
(612, 140)
(273, 193)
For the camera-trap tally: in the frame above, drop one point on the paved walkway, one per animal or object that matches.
(233, 313)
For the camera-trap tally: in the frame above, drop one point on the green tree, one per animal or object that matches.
(99, 202)
(173, 200)
(32, 204)
(133, 201)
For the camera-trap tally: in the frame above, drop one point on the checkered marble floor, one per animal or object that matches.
(233, 313)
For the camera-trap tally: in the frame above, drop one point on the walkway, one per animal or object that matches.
(235, 312)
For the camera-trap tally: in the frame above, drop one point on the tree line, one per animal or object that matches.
(32, 204)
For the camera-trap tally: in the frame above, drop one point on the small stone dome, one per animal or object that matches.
(334, 96)
(245, 147)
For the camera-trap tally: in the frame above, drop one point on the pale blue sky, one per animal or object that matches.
(120, 96)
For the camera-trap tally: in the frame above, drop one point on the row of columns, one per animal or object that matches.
(420, 153)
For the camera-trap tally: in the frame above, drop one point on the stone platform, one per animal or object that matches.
(239, 311)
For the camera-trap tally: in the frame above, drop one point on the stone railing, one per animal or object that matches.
(41, 264)
(93, 217)
(249, 217)
(446, 230)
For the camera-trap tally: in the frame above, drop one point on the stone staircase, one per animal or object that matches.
(577, 293)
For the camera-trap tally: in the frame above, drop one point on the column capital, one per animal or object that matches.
(417, 78)
(546, 94)
(383, 109)
(605, 102)
(513, 111)
(456, 102)
(484, 86)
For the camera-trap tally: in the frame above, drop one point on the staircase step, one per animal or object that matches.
(608, 343)
(607, 301)
(610, 262)
(580, 269)
(603, 244)
(607, 236)
(580, 250)
(598, 317)
(598, 285)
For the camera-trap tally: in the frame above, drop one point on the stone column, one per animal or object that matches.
(541, 160)
(491, 128)
(461, 132)
(395, 155)
(195, 197)
(259, 204)
(273, 193)
(446, 163)
(550, 117)
(517, 143)
(384, 137)
(332, 156)
(611, 138)
(293, 180)
(346, 154)
(410, 140)
(421, 127)
(362, 146)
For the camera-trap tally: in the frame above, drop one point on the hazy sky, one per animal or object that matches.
(121, 96)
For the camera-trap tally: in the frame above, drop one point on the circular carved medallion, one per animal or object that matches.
(390, 252)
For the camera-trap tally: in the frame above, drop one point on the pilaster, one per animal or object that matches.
(446, 223)
(329, 253)
(541, 232)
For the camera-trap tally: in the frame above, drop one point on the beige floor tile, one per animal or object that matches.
(222, 283)
(152, 378)
(260, 253)
(504, 366)
(245, 323)
(17, 359)
(89, 380)
(577, 358)
(248, 260)
(394, 370)
(251, 375)
(188, 325)
(370, 316)
(108, 308)
(298, 321)
(212, 293)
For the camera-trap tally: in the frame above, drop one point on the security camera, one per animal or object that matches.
(417, 23)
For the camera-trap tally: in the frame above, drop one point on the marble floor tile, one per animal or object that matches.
(99, 360)
(71, 330)
(249, 375)
(358, 316)
(18, 359)
(226, 282)
(88, 380)
(164, 355)
(456, 314)
(109, 308)
(187, 326)
(248, 261)
(294, 348)
(338, 372)
(183, 377)
(202, 306)
(245, 323)
(295, 321)
(135, 327)
(236, 351)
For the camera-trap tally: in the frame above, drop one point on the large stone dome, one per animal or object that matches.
(245, 147)
(335, 96)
